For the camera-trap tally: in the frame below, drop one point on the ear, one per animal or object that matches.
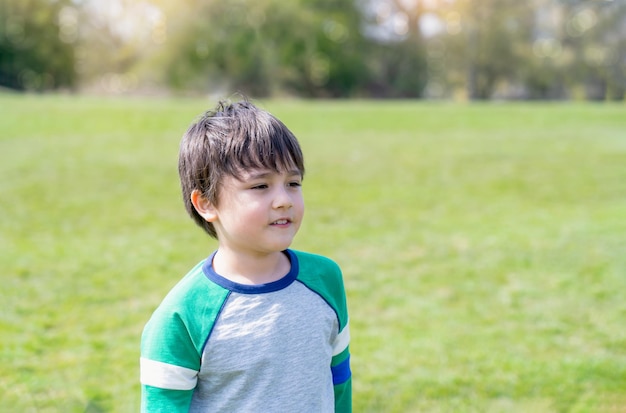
(203, 206)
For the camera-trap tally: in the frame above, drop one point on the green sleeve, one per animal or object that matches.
(172, 343)
(343, 397)
(342, 381)
(156, 400)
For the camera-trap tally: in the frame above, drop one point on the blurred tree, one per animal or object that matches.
(594, 35)
(545, 58)
(337, 64)
(542, 49)
(494, 44)
(613, 33)
(397, 53)
(117, 41)
(37, 44)
(309, 47)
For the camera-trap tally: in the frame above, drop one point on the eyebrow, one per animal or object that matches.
(265, 174)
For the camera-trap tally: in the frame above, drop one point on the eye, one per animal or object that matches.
(295, 184)
(259, 186)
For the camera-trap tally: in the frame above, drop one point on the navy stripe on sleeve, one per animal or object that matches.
(341, 372)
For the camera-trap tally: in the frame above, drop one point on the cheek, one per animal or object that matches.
(299, 205)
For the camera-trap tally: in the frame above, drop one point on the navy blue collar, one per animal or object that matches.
(277, 285)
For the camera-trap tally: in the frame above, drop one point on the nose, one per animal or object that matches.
(282, 199)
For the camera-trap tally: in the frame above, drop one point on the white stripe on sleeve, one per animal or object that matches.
(167, 376)
(342, 340)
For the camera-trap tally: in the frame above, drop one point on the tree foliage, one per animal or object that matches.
(478, 49)
(36, 51)
(306, 47)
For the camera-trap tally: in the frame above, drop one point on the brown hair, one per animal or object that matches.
(229, 140)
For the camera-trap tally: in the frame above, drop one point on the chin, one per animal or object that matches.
(281, 246)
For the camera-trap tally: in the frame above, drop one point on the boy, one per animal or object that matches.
(256, 327)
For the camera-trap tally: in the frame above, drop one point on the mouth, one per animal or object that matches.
(283, 221)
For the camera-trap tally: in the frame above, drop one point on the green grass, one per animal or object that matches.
(483, 248)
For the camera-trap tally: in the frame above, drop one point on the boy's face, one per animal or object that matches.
(261, 213)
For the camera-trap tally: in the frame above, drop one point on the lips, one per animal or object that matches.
(281, 222)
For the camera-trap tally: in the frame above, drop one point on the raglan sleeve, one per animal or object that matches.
(324, 276)
(342, 374)
(340, 364)
(169, 363)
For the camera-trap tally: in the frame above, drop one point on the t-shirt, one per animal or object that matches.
(214, 345)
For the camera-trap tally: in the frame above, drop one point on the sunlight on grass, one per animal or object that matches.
(482, 247)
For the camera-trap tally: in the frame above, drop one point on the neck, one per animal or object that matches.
(250, 269)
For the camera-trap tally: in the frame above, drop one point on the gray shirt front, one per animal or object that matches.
(269, 352)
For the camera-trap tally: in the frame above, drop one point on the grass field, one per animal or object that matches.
(483, 248)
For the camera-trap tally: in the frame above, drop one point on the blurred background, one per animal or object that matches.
(435, 49)
(482, 244)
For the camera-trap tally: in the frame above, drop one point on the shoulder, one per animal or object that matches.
(323, 276)
(317, 264)
(188, 310)
(191, 290)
